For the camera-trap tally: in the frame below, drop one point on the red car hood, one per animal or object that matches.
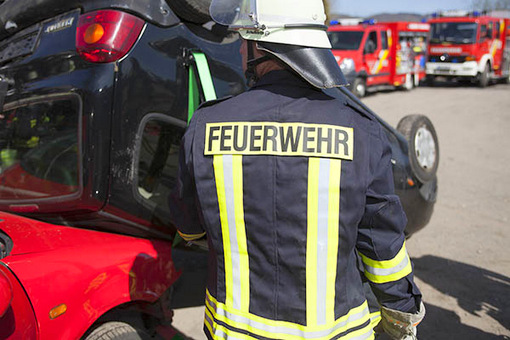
(32, 236)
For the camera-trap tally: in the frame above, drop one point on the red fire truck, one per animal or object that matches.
(469, 47)
(374, 55)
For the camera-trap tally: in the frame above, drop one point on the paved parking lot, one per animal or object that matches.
(462, 258)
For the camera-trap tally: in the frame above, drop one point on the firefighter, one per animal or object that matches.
(294, 189)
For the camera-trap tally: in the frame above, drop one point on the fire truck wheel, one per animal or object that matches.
(196, 11)
(115, 330)
(483, 80)
(423, 145)
(506, 80)
(430, 81)
(359, 87)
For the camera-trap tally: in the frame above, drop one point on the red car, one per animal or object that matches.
(59, 282)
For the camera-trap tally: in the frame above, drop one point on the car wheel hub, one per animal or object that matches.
(360, 89)
(425, 148)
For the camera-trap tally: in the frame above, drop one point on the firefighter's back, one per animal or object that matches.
(281, 172)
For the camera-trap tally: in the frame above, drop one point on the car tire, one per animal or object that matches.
(430, 81)
(484, 77)
(359, 87)
(423, 145)
(115, 330)
(195, 11)
(506, 80)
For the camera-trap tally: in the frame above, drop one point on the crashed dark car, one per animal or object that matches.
(94, 98)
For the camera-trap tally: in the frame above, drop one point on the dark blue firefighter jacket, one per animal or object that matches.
(293, 188)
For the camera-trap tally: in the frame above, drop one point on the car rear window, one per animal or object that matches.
(39, 150)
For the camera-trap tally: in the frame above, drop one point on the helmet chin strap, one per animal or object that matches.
(251, 65)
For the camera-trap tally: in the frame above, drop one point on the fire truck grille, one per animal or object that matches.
(447, 59)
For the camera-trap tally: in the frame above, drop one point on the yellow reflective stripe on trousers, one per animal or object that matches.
(229, 186)
(262, 327)
(388, 270)
(322, 239)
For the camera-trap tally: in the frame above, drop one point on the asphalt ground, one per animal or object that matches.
(462, 257)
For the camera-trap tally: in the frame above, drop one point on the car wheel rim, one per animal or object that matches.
(360, 89)
(425, 148)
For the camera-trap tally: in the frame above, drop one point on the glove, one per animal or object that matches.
(399, 325)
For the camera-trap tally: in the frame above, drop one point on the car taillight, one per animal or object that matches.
(6, 293)
(107, 35)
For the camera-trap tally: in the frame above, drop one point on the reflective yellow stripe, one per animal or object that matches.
(365, 333)
(220, 332)
(286, 330)
(323, 210)
(386, 263)
(381, 60)
(190, 237)
(237, 162)
(375, 318)
(388, 270)
(311, 241)
(220, 189)
(333, 235)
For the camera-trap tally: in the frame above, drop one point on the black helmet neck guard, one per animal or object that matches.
(318, 66)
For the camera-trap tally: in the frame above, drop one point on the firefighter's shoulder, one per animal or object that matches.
(355, 105)
(213, 102)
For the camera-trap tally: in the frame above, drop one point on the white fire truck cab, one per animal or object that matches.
(470, 47)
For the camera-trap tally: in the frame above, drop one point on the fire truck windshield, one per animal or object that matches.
(345, 40)
(453, 32)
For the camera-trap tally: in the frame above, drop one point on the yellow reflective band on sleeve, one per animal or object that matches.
(375, 318)
(279, 139)
(190, 237)
(388, 270)
(323, 210)
(273, 329)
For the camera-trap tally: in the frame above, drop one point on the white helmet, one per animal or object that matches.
(291, 30)
(293, 22)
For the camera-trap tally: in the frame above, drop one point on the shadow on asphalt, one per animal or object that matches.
(474, 288)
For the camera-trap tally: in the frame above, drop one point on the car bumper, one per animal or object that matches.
(467, 69)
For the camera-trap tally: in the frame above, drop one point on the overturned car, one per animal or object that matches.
(94, 98)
